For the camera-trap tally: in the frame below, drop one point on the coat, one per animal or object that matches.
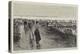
(37, 35)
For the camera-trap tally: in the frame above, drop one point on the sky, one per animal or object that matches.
(24, 9)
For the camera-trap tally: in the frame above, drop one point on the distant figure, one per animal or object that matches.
(25, 26)
(37, 35)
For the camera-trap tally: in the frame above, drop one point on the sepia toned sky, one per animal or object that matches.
(44, 9)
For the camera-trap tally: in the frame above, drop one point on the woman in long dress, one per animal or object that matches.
(37, 35)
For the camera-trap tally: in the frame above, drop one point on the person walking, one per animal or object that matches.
(37, 35)
(25, 26)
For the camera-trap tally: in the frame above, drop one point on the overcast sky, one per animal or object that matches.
(43, 9)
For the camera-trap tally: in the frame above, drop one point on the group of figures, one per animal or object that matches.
(33, 35)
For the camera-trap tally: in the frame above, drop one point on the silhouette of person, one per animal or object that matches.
(25, 26)
(37, 35)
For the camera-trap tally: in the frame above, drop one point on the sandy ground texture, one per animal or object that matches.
(48, 41)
